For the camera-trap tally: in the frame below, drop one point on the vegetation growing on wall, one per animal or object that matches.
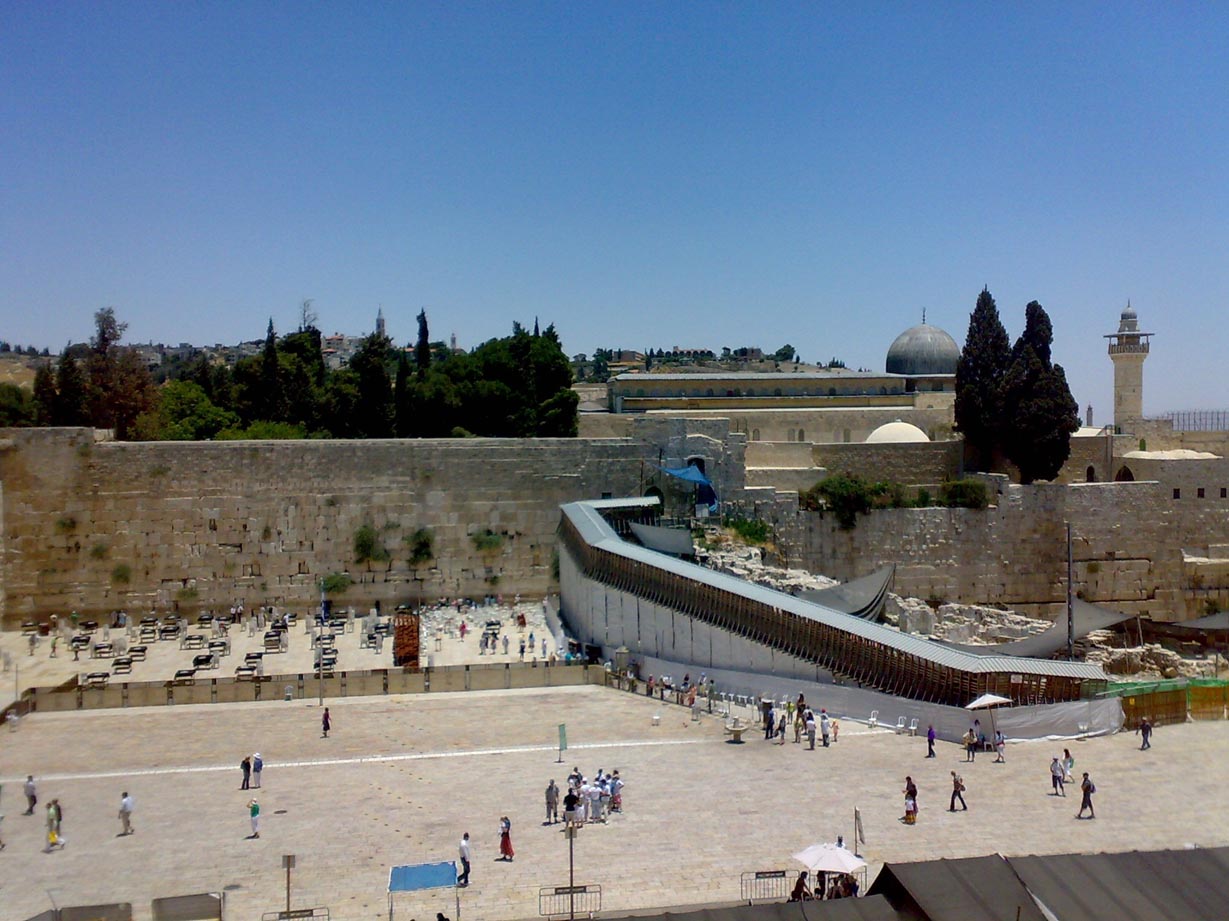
(121, 574)
(487, 541)
(335, 583)
(848, 495)
(421, 545)
(751, 530)
(368, 547)
(966, 493)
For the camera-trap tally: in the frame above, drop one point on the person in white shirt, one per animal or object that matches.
(125, 813)
(463, 853)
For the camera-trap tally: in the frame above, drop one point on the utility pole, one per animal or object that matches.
(288, 863)
(319, 654)
(571, 831)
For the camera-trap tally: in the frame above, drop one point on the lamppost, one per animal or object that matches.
(570, 831)
(320, 648)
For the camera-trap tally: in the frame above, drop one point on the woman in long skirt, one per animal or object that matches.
(505, 839)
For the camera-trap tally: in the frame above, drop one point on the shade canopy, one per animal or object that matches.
(829, 858)
(417, 876)
(988, 700)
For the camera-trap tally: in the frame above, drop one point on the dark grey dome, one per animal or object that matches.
(923, 349)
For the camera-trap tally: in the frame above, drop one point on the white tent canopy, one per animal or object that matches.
(829, 858)
(988, 700)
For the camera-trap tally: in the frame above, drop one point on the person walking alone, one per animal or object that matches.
(552, 802)
(125, 813)
(505, 839)
(1145, 730)
(930, 741)
(31, 791)
(257, 766)
(254, 815)
(463, 853)
(957, 793)
(325, 723)
(1088, 788)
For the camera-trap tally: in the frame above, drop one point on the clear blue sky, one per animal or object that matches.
(692, 174)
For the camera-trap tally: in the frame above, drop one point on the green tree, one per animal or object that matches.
(402, 398)
(375, 389)
(270, 401)
(785, 353)
(184, 413)
(133, 392)
(71, 404)
(979, 380)
(18, 407)
(1038, 402)
(422, 349)
(44, 394)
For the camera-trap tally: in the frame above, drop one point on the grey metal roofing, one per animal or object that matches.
(595, 531)
(1087, 618)
(969, 889)
(869, 908)
(674, 541)
(1186, 885)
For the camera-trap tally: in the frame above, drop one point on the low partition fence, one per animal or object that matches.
(556, 901)
(356, 683)
(1173, 701)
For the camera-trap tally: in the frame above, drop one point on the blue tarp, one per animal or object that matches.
(422, 876)
(692, 474)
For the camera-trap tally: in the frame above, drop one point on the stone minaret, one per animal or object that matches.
(1128, 349)
(380, 321)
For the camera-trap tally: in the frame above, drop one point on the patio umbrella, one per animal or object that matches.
(829, 858)
(989, 702)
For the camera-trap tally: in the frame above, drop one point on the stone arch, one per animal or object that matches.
(655, 492)
(755, 434)
(1124, 475)
(1090, 475)
(696, 461)
(802, 435)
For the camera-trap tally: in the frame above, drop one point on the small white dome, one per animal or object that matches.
(896, 433)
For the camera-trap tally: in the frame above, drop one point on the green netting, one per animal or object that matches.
(1129, 688)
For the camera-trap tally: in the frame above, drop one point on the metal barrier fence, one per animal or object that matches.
(569, 900)
(765, 886)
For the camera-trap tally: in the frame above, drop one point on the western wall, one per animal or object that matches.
(93, 527)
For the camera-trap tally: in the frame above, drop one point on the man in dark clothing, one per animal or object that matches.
(246, 766)
(930, 741)
(1145, 730)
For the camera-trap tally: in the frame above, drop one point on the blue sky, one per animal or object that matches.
(642, 175)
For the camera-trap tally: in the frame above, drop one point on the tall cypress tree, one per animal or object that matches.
(44, 394)
(271, 401)
(374, 411)
(979, 379)
(1038, 402)
(72, 398)
(402, 409)
(422, 348)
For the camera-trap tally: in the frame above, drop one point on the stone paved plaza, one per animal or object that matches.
(400, 778)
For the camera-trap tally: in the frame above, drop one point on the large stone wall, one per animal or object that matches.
(1128, 543)
(95, 526)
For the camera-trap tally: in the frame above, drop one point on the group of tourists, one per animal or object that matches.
(587, 800)
(840, 886)
(778, 717)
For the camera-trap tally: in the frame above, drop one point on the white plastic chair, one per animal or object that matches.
(874, 720)
(913, 727)
(900, 725)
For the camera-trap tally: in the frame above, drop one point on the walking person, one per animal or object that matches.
(930, 741)
(125, 813)
(31, 791)
(1145, 730)
(246, 766)
(505, 839)
(957, 793)
(1088, 788)
(781, 729)
(552, 802)
(463, 853)
(325, 723)
(1000, 746)
(53, 827)
(1056, 778)
(254, 815)
(970, 745)
(257, 766)
(825, 726)
(1068, 766)
(810, 724)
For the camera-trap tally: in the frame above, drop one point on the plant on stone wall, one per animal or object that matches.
(66, 525)
(421, 545)
(966, 493)
(1094, 567)
(751, 530)
(266, 533)
(487, 541)
(187, 594)
(924, 499)
(935, 601)
(121, 574)
(367, 546)
(1211, 606)
(99, 551)
(846, 495)
(335, 583)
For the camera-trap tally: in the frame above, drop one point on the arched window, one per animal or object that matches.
(709, 392)
(776, 392)
(696, 461)
(755, 434)
(1124, 475)
(831, 391)
(802, 435)
(1090, 475)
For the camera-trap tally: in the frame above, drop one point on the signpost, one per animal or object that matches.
(563, 741)
(288, 863)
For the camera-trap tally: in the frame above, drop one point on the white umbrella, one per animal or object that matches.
(829, 858)
(989, 702)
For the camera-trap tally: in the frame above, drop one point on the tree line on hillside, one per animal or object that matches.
(1013, 401)
(515, 386)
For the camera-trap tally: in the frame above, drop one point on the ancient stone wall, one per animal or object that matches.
(1128, 541)
(94, 527)
(910, 464)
